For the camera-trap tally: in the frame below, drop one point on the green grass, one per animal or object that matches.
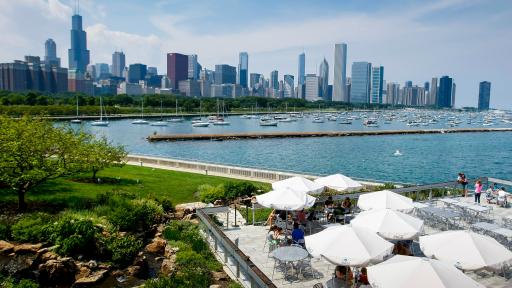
(179, 187)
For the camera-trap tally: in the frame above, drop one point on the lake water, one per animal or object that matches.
(425, 158)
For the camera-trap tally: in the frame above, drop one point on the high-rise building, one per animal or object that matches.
(118, 63)
(301, 78)
(243, 67)
(50, 49)
(392, 93)
(91, 70)
(432, 95)
(339, 88)
(177, 68)
(136, 73)
(426, 86)
(225, 74)
(207, 75)
(377, 84)
(484, 95)
(254, 79)
(323, 78)
(152, 71)
(78, 53)
(288, 86)
(274, 79)
(189, 87)
(312, 87)
(444, 97)
(31, 74)
(102, 71)
(192, 67)
(360, 85)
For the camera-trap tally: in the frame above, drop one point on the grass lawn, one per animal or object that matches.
(179, 187)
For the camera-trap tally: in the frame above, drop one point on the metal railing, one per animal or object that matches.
(243, 265)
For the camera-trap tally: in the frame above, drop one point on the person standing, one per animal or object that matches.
(478, 191)
(462, 180)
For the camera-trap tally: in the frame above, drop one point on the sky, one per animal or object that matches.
(469, 40)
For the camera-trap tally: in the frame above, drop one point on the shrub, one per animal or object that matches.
(29, 228)
(5, 231)
(135, 215)
(209, 193)
(166, 204)
(237, 189)
(161, 282)
(122, 250)
(74, 236)
(192, 270)
(11, 283)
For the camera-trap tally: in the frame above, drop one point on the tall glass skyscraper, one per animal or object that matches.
(360, 86)
(484, 95)
(177, 68)
(377, 85)
(288, 86)
(274, 79)
(225, 74)
(301, 76)
(118, 64)
(323, 79)
(78, 53)
(444, 95)
(339, 89)
(193, 67)
(50, 49)
(243, 67)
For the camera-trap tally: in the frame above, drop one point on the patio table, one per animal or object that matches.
(486, 226)
(288, 254)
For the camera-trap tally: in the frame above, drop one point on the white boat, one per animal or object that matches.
(221, 122)
(160, 123)
(370, 122)
(268, 123)
(100, 122)
(76, 121)
(200, 124)
(397, 153)
(141, 121)
(176, 119)
(318, 120)
(345, 121)
(285, 120)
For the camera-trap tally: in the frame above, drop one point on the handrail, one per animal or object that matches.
(256, 277)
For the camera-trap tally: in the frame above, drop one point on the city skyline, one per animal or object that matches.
(284, 59)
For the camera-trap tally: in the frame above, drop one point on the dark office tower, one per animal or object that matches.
(137, 72)
(274, 82)
(118, 64)
(408, 84)
(426, 86)
(444, 95)
(484, 95)
(243, 66)
(254, 79)
(50, 49)
(225, 74)
(78, 53)
(177, 68)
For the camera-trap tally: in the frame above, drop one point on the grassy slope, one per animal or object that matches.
(179, 187)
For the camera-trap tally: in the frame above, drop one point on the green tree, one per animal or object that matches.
(98, 153)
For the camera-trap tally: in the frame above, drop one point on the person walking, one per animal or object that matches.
(462, 180)
(478, 191)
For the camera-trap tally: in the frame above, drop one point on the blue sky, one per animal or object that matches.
(470, 40)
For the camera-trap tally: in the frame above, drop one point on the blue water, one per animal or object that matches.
(425, 158)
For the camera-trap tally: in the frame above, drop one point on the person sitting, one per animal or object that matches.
(342, 278)
(272, 242)
(401, 249)
(329, 208)
(491, 193)
(347, 205)
(502, 197)
(362, 280)
(298, 235)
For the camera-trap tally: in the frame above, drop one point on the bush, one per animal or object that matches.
(122, 250)
(11, 283)
(209, 193)
(74, 236)
(237, 189)
(186, 232)
(136, 215)
(166, 204)
(5, 231)
(192, 270)
(29, 228)
(161, 282)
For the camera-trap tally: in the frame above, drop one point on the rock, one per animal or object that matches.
(92, 279)
(160, 228)
(133, 271)
(157, 246)
(104, 266)
(83, 271)
(27, 248)
(218, 203)
(169, 251)
(215, 286)
(48, 256)
(189, 217)
(17, 265)
(220, 276)
(180, 208)
(168, 265)
(6, 247)
(57, 272)
(139, 268)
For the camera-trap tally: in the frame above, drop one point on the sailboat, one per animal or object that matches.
(141, 121)
(76, 120)
(161, 122)
(220, 120)
(199, 122)
(176, 119)
(100, 122)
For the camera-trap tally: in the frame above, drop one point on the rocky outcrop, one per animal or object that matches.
(57, 272)
(6, 247)
(157, 246)
(92, 279)
(27, 248)
(168, 265)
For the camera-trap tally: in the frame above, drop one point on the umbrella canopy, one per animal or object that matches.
(406, 271)
(349, 246)
(385, 199)
(286, 199)
(466, 250)
(389, 224)
(339, 182)
(299, 184)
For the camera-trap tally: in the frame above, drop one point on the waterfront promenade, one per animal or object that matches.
(289, 134)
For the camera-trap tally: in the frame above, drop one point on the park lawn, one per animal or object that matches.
(178, 187)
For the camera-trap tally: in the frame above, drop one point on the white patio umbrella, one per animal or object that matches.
(349, 246)
(299, 184)
(406, 271)
(466, 250)
(390, 224)
(339, 182)
(286, 199)
(385, 199)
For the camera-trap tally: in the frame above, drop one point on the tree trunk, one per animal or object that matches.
(22, 206)
(94, 175)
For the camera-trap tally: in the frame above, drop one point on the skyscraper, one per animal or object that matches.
(444, 97)
(50, 49)
(78, 53)
(225, 74)
(377, 82)
(274, 79)
(137, 72)
(432, 96)
(302, 69)
(177, 68)
(118, 64)
(360, 86)
(339, 89)
(102, 71)
(484, 95)
(323, 78)
(254, 79)
(288, 86)
(243, 67)
(312, 87)
(192, 67)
